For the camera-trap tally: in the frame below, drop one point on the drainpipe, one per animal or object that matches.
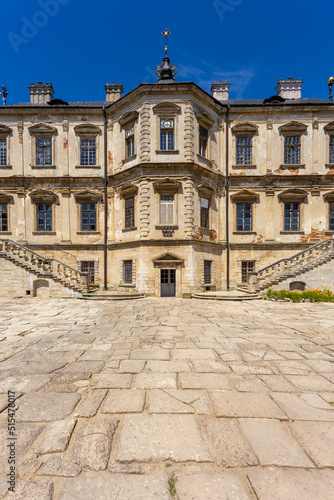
(105, 245)
(227, 190)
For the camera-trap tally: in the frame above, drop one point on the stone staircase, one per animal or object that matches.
(297, 265)
(43, 267)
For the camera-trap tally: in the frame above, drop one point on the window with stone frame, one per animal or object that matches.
(3, 151)
(292, 216)
(167, 138)
(205, 212)
(44, 216)
(87, 151)
(88, 266)
(43, 151)
(3, 216)
(167, 209)
(130, 142)
(244, 217)
(244, 153)
(247, 266)
(88, 217)
(331, 149)
(207, 272)
(331, 215)
(203, 140)
(43, 145)
(292, 150)
(130, 212)
(127, 272)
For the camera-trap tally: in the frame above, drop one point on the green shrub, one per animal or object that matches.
(313, 294)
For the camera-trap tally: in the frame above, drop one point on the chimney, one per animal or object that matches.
(220, 90)
(41, 93)
(114, 91)
(290, 88)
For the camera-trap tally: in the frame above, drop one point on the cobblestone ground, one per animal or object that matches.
(161, 399)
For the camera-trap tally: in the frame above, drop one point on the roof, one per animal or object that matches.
(82, 104)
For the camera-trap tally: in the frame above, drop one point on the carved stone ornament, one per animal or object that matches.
(42, 129)
(293, 128)
(87, 129)
(128, 118)
(88, 196)
(248, 129)
(245, 195)
(5, 131)
(167, 185)
(297, 195)
(43, 196)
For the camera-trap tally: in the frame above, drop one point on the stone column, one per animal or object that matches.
(189, 209)
(144, 208)
(145, 134)
(20, 134)
(270, 221)
(189, 137)
(21, 216)
(66, 148)
(65, 216)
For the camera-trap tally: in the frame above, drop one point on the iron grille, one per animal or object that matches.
(207, 271)
(127, 271)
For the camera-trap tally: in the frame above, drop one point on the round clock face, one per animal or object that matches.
(167, 124)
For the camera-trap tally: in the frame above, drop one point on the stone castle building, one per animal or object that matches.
(165, 191)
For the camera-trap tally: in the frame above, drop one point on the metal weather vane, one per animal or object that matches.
(166, 34)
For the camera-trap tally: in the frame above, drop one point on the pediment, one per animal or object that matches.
(128, 190)
(205, 190)
(246, 195)
(329, 197)
(88, 195)
(42, 129)
(4, 130)
(167, 185)
(43, 196)
(293, 127)
(245, 129)
(87, 129)
(329, 128)
(293, 195)
(166, 108)
(5, 198)
(168, 258)
(128, 118)
(204, 118)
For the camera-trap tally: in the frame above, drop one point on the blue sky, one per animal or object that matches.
(79, 45)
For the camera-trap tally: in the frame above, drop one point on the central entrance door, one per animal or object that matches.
(167, 281)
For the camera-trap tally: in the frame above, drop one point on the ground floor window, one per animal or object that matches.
(247, 266)
(331, 216)
(127, 271)
(3, 217)
(89, 267)
(207, 272)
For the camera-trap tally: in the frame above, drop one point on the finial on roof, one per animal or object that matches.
(166, 34)
(166, 71)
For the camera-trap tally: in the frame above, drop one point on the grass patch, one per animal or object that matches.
(171, 482)
(313, 295)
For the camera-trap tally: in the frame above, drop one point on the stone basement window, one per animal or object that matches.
(3, 217)
(127, 272)
(92, 268)
(247, 266)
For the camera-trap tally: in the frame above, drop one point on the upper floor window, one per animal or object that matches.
(127, 271)
(292, 150)
(87, 151)
(3, 152)
(331, 149)
(166, 209)
(88, 217)
(43, 151)
(331, 215)
(130, 212)
(167, 135)
(291, 216)
(3, 217)
(203, 140)
(244, 150)
(205, 203)
(244, 217)
(130, 142)
(44, 217)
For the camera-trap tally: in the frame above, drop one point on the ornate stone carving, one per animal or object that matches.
(189, 136)
(144, 208)
(145, 133)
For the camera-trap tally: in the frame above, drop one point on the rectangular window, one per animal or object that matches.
(246, 267)
(244, 217)
(130, 142)
(207, 271)
(43, 151)
(203, 140)
(331, 216)
(88, 217)
(292, 150)
(87, 152)
(44, 217)
(127, 271)
(205, 212)
(3, 151)
(167, 135)
(3, 217)
(331, 149)
(130, 212)
(88, 267)
(291, 216)
(244, 150)
(166, 209)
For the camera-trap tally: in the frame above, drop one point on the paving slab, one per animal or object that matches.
(44, 407)
(155, 381)
(24, 384)
(310, 383)
(55, 437)
(117, 487)
(112, 381)
(168, 366)
(25, 436)
(131, 366)
(236, 404)
(273, 443)
(230, 447)
(204, 381)
(211, 487)
(93, 444)
(249, 383)
(304, 407)
(90, 403)
(191, 354)
(124, 401)
(158, 354)
(206, 366)
(56, 466)
(33, 490)
(292, 484)
(177, 401)
(317, 439)
(83, 367)
(155, 438)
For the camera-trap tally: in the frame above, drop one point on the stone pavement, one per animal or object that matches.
(168, 398)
